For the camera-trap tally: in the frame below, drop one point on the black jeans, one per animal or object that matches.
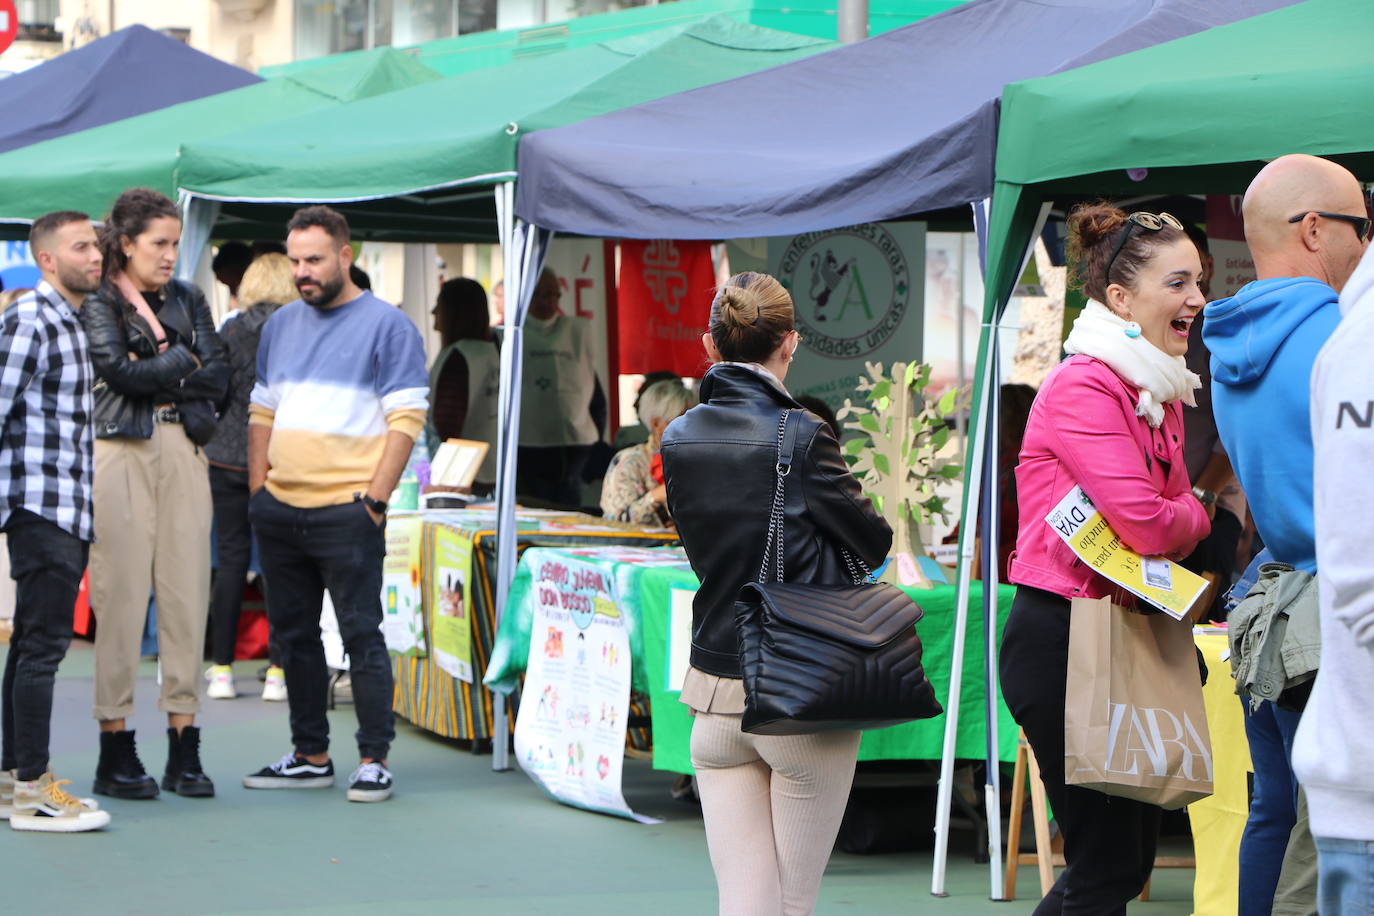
(1109, 843)
(46, 564)
(304, 552)
(233, 554)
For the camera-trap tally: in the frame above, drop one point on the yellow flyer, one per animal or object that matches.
(1162, 583)
(450, 617)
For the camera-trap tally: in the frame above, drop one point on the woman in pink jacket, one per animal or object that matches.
(1107, 419)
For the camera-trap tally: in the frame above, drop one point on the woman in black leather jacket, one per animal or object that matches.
(160, 368)
(772, 805)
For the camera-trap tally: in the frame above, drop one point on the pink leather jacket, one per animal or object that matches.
(1083, 430)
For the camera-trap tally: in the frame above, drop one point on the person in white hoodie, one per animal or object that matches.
(1333, 753)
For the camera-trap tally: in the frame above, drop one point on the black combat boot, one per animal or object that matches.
(119, 773)
(184, 775)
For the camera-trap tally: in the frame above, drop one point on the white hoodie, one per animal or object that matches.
(1333, 755)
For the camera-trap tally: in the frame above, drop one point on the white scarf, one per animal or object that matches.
(1161, 378)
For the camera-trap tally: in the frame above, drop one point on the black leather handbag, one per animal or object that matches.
(819, 658)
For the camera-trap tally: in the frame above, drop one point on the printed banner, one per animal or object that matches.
(1164, 584)
(1232, 266)
(450, 570)
(665, 297)
(859, 294)
(570, 732)
(403, 617)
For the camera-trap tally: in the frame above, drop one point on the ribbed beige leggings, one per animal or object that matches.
(772, 807)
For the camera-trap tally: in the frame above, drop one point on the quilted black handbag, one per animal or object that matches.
(818, 658)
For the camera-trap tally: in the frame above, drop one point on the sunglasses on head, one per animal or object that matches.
(1152, 222)
(1360, 223)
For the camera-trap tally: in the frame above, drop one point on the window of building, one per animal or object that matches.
(332, 26)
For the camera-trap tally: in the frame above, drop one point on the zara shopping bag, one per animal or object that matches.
(1134, 722)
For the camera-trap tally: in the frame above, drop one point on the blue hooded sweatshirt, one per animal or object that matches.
(1264, 341)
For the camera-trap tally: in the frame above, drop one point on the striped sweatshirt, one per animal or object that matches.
(331, 384)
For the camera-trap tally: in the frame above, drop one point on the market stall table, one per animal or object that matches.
(455, 598)
(654, 593)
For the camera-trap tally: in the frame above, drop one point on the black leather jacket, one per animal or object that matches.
(126, 389)
(718, 461)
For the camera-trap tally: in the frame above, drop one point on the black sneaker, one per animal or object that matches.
(370, 782)
(292, 772)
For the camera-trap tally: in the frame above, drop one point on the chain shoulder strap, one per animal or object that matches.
(773, 543)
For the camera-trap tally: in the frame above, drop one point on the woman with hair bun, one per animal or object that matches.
(1108, 419)
(160, 369)
(772, 805)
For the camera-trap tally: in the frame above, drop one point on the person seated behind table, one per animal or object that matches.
(465, 380)
(634, 490)
(1108, 419)
(638, 433)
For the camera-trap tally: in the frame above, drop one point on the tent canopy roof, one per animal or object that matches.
(477, 50)
(88, 170)
(1195, 121)
(416, 145)
(123, 74)
(899, 124)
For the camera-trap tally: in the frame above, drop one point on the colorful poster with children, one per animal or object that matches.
(450, 621)
(403, 619)
(570, 733)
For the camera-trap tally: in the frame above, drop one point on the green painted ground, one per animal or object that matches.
(457, 837)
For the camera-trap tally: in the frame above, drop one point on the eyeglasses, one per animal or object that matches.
(1361, 223)
(1152, 222)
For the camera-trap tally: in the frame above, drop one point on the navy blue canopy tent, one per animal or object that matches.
(126, 73)
(902, 123)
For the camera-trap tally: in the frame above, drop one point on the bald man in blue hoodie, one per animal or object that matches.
(1306, 228)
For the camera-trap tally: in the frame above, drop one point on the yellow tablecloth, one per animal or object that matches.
(1218, 821)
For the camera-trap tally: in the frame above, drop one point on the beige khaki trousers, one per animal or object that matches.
(152, 532)
(772, 807)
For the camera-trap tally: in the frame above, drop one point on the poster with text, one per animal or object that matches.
(859, 297)
(665, 296)
(570, 731)
(403, 618)
(450, 614)
(1232, 266)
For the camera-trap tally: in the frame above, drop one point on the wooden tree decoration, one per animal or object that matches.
(896, 454)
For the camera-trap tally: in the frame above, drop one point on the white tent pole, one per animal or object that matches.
(992, 786)
(978, 447)
(523, 247)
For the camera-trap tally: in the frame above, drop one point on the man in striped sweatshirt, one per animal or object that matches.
(341, 395)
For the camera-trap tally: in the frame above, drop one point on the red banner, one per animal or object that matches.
(665, 299)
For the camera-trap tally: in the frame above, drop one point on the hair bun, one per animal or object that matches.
(1092, 223)
(738, 307)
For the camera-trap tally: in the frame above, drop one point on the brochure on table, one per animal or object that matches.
(570, 731)
(450, 621)
(1162, 583)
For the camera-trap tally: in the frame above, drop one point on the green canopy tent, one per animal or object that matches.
(1196, 115)
(423, 163)
(476, 50)
(87, 170)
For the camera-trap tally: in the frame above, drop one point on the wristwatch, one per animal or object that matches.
(376, 505)
(1206, 497)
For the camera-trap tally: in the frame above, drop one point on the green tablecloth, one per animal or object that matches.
(645, 598)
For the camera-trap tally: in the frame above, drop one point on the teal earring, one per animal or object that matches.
(1132, 330)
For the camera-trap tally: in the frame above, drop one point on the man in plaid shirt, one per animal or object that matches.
(46, 457)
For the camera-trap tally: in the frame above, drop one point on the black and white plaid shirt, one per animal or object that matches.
(46, 442)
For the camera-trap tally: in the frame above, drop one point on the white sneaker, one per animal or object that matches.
(221, 678)
(274, 688)
(7, 779)
(42, 805)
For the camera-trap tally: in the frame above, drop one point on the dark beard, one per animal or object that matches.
(76, 282)
(327, 293)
